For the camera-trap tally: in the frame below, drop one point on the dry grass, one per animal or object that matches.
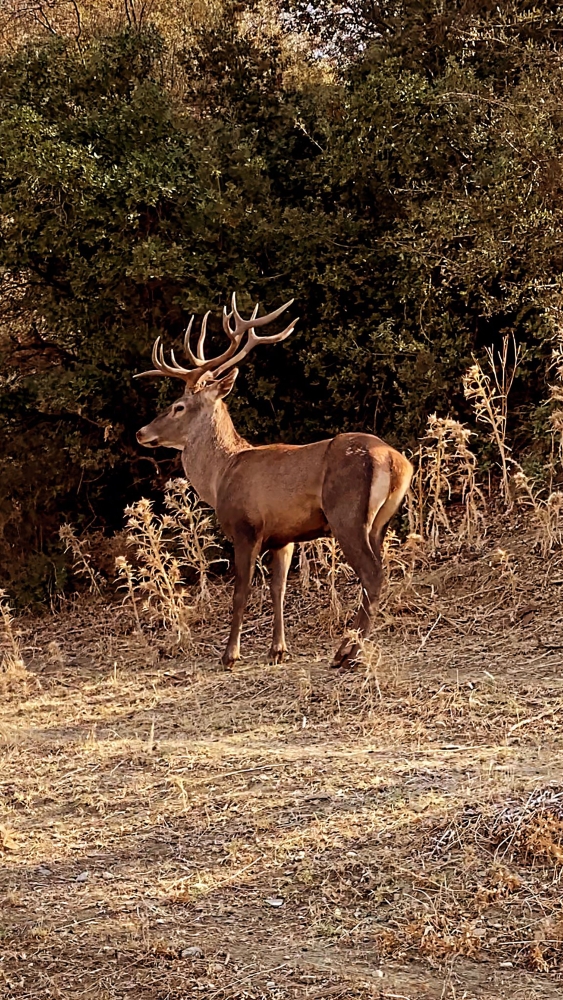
(556, 396)
(543, 502)
(169, 829)
(322, 568)
(172, 830)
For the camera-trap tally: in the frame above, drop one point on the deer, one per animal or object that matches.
(269, 497)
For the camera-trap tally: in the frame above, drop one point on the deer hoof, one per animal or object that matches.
(277, 655)
(229, 659)
(348, 662)
(346, 657)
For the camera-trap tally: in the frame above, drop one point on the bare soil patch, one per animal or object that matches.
(170, 830)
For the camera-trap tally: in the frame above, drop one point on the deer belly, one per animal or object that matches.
(296, 529)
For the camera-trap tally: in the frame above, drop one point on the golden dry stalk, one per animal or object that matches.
(446, 473)
(167, 546)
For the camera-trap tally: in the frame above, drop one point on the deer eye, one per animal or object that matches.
(178, 408)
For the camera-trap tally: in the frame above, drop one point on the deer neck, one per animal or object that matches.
(211, 442)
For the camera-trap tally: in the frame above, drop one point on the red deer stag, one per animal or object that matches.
(271, 496)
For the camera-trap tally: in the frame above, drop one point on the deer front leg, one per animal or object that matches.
(281, 560)
(246, 553)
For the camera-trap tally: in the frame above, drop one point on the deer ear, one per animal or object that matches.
(223, 386)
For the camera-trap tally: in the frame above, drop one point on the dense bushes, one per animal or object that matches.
(409, 198)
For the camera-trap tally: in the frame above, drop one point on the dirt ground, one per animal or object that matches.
(170, 830)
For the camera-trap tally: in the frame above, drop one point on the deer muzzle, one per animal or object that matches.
(147, 437)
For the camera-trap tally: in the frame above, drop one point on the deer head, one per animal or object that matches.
(206, 383)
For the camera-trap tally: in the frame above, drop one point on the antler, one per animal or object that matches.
(228, 358)
(244, 325)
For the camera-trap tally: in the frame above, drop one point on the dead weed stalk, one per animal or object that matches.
(543, 502)
(197, 533)
(546, 509)
(82, 564)
(166, 546)
(12, 666)
(445, 471)
(488, 391)
(401, 559)
(321, 566)
(556, 395)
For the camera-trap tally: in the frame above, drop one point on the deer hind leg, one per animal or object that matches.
(247, 549)
(367, 563)
(281, 560)
(352, 504)
(370, 570)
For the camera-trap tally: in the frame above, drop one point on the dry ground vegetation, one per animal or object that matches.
(169, 829)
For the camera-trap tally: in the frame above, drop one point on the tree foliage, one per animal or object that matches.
(405, 190)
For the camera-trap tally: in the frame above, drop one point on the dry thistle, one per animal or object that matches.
(157, 578)
(165, 546)
(12, 663)
(261, 574)
(546, 509)
(401, 559)
(81, 560)
(507, 565)
(372, 657)
(55, 653)
(196, 530)
(445, 470)
(126, 573)
(489, 395)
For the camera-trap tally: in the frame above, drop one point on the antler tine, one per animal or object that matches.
(162, 367)
(187, 346)
(227, 317)
(241, 325)
(202, 334)
(177, 367)
(270, 317)
(212, 363)
(239, 321)
(227, 322)
(234, 310)
(253, 339)
(235, 336)
(154, 354)
(198, 359)
(174, 369)
(247, 324)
